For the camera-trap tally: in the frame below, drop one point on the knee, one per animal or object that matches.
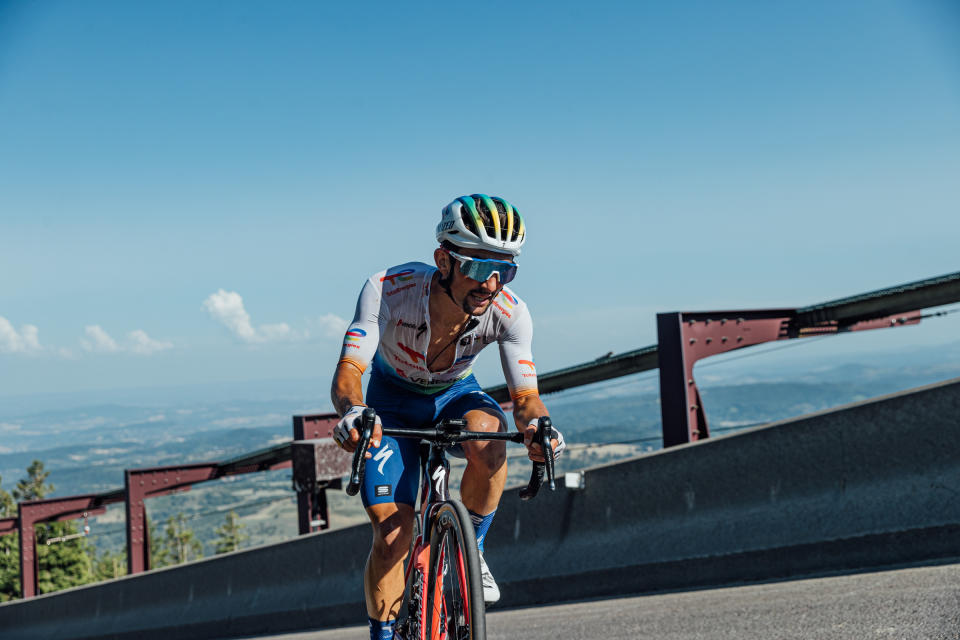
(391, 541)
(489, 456)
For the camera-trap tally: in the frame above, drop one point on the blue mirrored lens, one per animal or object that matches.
(480, 270)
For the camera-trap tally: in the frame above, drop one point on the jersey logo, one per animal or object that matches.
(355, 334)
(414, 356)
(528, 363)
(402, 276)
(382, 456)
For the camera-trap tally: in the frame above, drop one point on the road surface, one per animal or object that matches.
(912, 603)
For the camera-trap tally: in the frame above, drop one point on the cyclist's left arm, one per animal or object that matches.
(516, 357)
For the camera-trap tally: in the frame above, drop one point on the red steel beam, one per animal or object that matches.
(33, 512)
(686, 337)
(141, 484)
(8, 525)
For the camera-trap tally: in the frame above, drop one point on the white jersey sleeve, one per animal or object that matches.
(516, 349)
(369, 320)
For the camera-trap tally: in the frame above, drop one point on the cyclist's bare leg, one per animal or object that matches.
(383, 577)
(486, 472)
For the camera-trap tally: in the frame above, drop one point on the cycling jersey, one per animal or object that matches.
(391, 329)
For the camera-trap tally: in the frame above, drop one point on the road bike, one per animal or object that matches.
(443, 593)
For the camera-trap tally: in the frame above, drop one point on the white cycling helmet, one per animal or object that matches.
(482, 222)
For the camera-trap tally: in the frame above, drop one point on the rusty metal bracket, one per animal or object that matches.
(33, 512)
(318, 465)
(686, 337)
(8, 525)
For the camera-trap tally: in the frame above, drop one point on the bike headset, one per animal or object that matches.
(480, 221)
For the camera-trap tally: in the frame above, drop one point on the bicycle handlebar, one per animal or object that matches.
(447, 432)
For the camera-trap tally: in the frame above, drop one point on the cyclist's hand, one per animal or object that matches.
(347, 435)
(534, 450)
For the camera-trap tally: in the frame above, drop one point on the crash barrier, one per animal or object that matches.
(865, 485)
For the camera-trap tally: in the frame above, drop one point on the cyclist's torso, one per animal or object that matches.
(391, 329)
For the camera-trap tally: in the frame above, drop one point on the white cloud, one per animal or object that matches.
(102, 342)
(24, 341)
(137, 342)
(330, 325)
(227, 308)
(142, 344)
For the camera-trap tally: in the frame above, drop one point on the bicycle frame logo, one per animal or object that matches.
(438, 477)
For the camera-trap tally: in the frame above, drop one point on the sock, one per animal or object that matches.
(381, 629)
(481, 524)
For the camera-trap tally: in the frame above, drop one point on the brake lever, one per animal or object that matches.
(545, 434)
(542, 437)
(367, 421)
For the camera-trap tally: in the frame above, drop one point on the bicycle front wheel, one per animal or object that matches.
(455, 609)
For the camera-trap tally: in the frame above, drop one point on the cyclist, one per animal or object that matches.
(421, 327)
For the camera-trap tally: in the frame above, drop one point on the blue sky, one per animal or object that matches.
(194, 192)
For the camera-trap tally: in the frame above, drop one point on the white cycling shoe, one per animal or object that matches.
(491, 592)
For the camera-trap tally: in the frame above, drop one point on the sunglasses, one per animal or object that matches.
(480, 269)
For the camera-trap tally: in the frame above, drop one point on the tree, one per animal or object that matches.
(229, 536)
(63, 563)
(159, 556)
(34, 486)
(180, 542)
(9, 551)
(108, 565)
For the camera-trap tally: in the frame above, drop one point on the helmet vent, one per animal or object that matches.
(486, 217)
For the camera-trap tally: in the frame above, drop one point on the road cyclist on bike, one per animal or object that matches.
(419, 328)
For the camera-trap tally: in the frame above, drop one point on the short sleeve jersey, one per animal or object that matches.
(391, 330)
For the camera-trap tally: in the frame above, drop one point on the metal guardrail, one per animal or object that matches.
(922, 294)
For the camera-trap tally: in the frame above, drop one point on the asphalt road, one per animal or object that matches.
(908, 603)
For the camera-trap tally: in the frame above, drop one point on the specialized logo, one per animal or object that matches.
(438, 477)
(414, 356)
(382, 456)
(401, 276)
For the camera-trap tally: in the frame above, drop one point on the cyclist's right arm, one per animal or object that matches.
(359, 346)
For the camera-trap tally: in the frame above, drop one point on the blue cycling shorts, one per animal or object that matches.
(393, 474)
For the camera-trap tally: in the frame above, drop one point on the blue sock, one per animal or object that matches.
(481, 524)
(381, 630)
